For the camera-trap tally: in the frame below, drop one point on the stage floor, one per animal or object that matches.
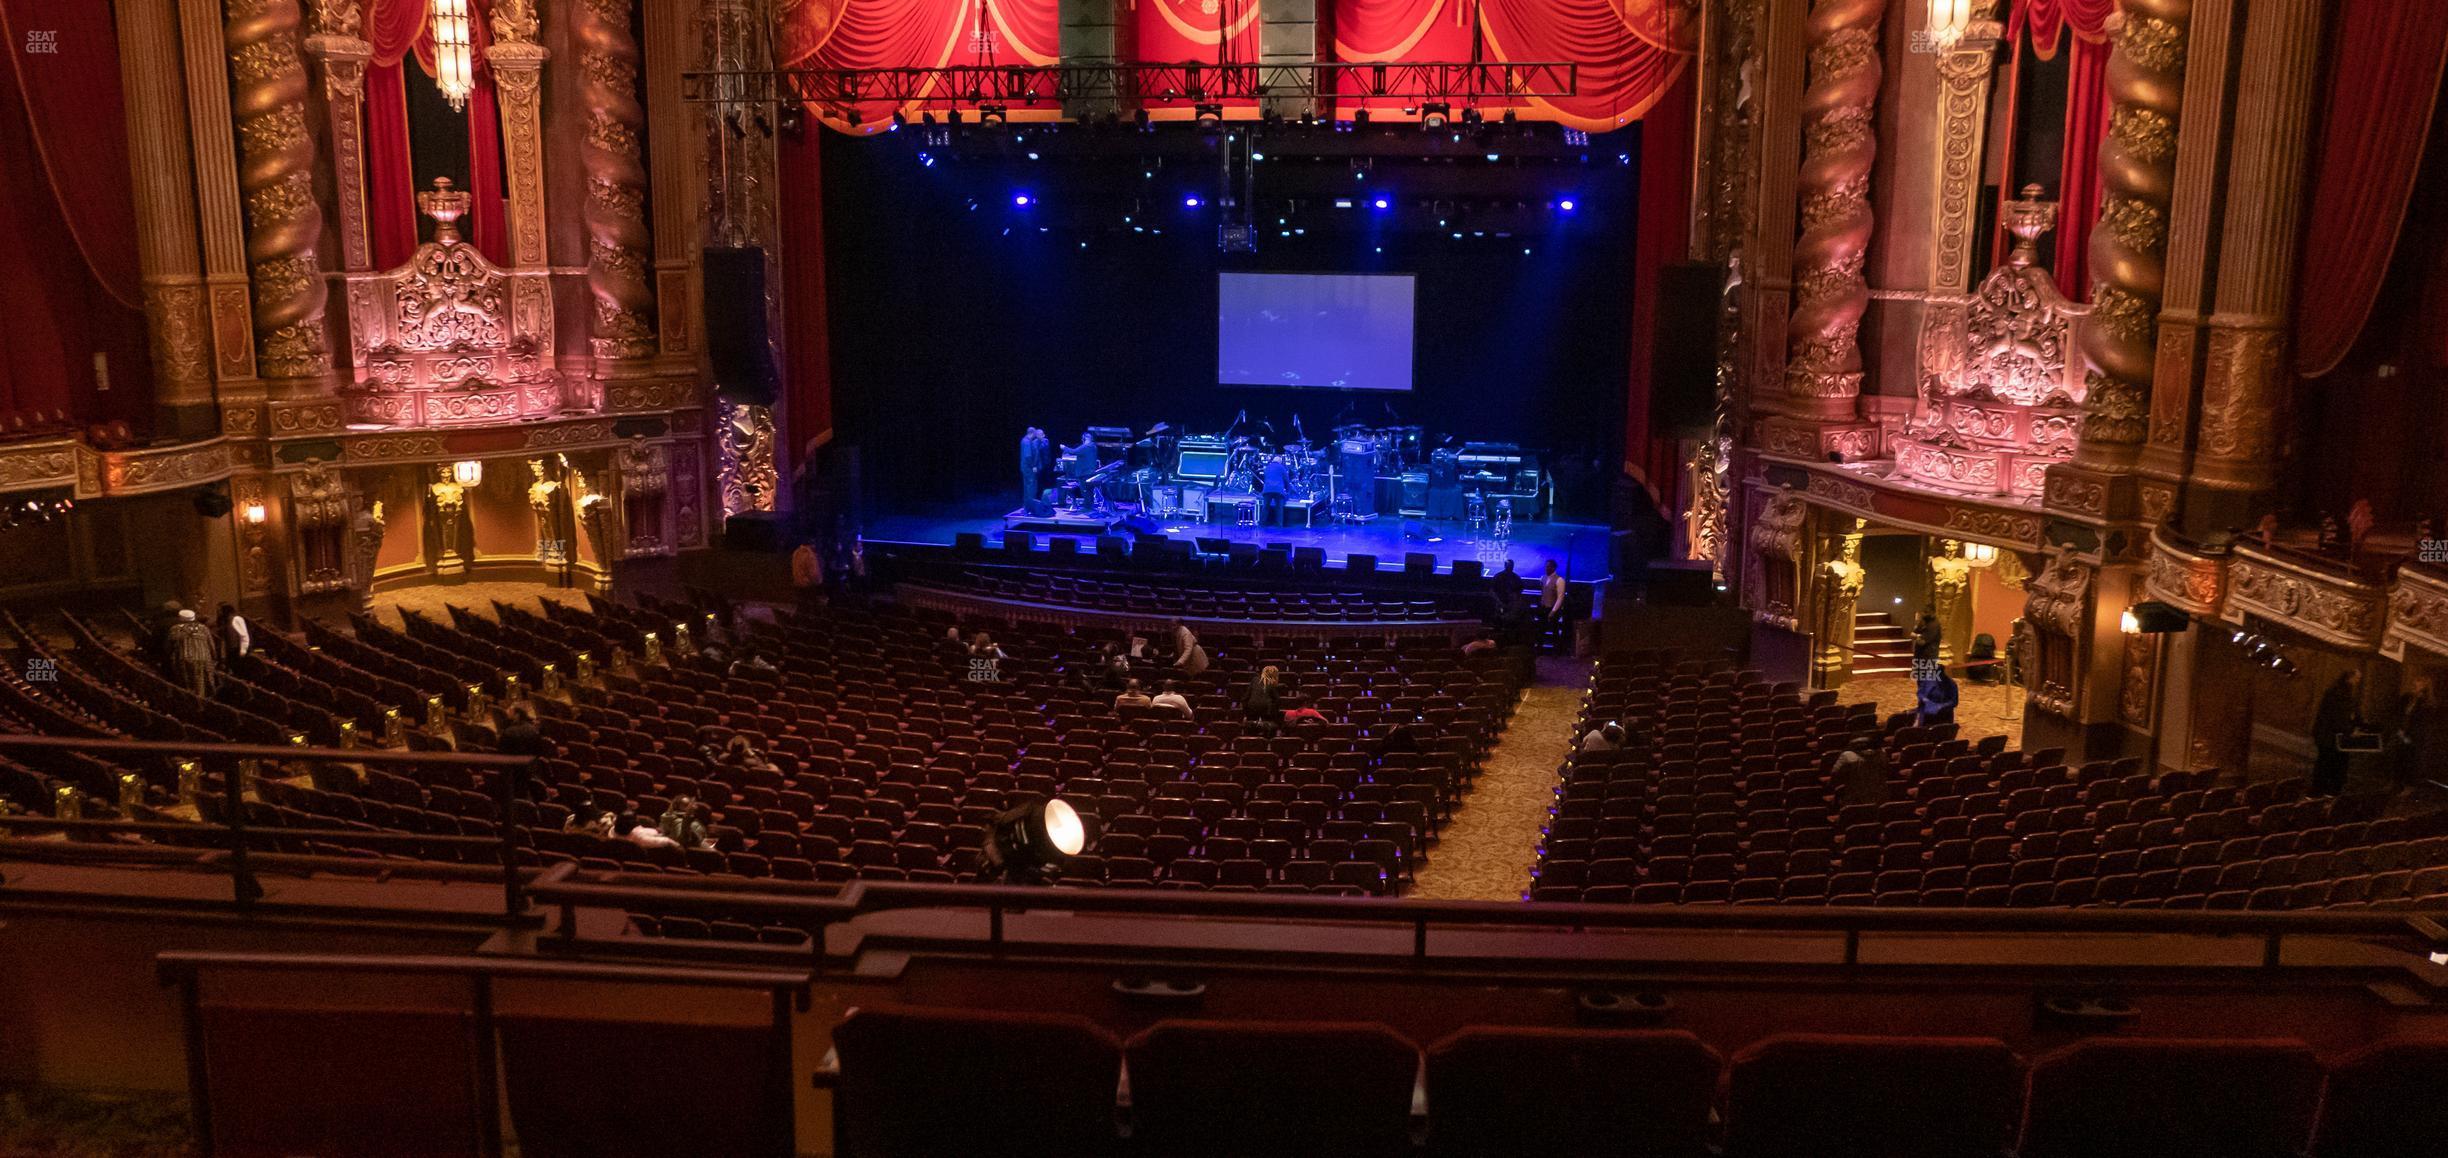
(1579, 550)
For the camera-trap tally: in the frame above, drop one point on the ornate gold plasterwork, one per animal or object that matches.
(2172, 574)
(438, 341)
(32, 466)
(181, 330)
(2417, 614)
(162, 468)
(2334, 608)
(1772, 565)
(319, 519)
(2057, 614)
(1839, 148)
(687, 495)
(750, 481)
(276, 184)
(1963, 104)
(2245, 384)
(2129, 250)
(2137, 695)
(619, 243)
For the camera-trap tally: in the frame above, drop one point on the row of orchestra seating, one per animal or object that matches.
(914, 1081)
(1091, 591)
(1722, 795)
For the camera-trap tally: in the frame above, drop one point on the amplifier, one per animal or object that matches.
(1415, 490)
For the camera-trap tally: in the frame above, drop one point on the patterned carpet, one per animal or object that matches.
(1984, 710)
(1487, 852)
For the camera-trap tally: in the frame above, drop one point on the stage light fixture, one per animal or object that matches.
(1023, 200)
(1032, 155)
(1435, 114)
(1565, 205)
(991, 115)
(1471, 116)
(899, 119)
(1510, 117)
(953, 118)
(1209, 113)
(1139, 119)
(927, 119)
(1495, 156)
(1381, 203)
(1191, 202)
(854, 118)
(1360, 118)
(1028, 845)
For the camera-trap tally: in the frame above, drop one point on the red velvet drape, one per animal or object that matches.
(401, 30)
(808, 399)
(72, 290)
(2376, 112)
(488, 208)
(391, 215)
(2078, 173)
(1661, 237)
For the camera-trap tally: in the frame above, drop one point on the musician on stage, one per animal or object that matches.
(1036, 455)
(1084, 457)
(1275, 484)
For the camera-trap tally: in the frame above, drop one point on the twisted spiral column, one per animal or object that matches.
(1824, 373)
(619, 253)
(2137, 162)
(276, 160)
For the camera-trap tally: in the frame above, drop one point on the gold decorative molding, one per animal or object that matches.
(1840, 144)
(2057, 609)
(2188, 579)
(276, 185)
(151, 469)
(2246, 382)
(181, 330)
(38, 465)
(440, 341)
(2417, 614)
(612, 151)
(750, 481)
(1772, 571)
(2305, 597)
(2129, 246)
(1963, 111)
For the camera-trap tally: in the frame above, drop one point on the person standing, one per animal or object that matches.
(1274, 486)
(236, 638)
(1551, 600)
(1036, 454)
(190, 654)
(2338, 716)
(2416, 738)
(1938, 698)
(1189, 657)
(1928, 638)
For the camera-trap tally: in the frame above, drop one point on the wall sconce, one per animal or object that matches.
(467, 473)
(1980, 554)
(2129, 623)
(1949, 20)
(454, 53)
(255, 514)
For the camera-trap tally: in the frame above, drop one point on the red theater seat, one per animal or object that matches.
(923, 1082)
(1824, 1096)
(625, 1089)
(1218, 1089)
(2384, 1102)
(402, 1084)
(1539, 1092)
(2172, 1098)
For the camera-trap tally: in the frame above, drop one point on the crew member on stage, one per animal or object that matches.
(1275, 484)
(1036, 454)
(1084, 457)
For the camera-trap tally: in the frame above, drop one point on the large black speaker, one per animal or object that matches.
(1683, 348)
(754, 531)
(735, 325)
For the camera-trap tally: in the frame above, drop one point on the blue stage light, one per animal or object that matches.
(1566, 205)
(1382, 203)
(1021, 199)
(1192, 202)
(1032, 156)
(926, 160)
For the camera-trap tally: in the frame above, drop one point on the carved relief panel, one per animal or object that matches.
(445, 339)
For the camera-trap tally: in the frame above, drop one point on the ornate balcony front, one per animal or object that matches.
(449, 339)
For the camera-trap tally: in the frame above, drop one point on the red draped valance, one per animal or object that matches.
(2376, 114)
(1628, 51)
(2048, 20)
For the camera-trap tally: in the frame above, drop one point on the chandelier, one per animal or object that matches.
(454, 53)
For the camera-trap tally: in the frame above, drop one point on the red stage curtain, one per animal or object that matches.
(2047, 19)
(1628, 51)
(73, 288)
(1373, 31)
(2384, 82)
(808, 400)
(488, 209)
(1661, 237)
(2078, 173)
(391, 215)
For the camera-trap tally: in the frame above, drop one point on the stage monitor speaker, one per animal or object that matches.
(1308, 558)
(969, 543)
(1468, 571)
(1112, 548)
(1360, 564)
(1683, 349)
(736, 344)
(1418, 563)
(753, 531)
(1063, 547)
(1019, 542)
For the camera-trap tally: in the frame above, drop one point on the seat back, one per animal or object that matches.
(1872, 1097)
(1218, 1089)
(2172, 1098)
(2384, 1102)
(1535, 1092)
(937, 1081)
(582, 1088)
(383, 1083)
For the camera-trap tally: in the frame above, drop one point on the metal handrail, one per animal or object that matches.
(510, 788)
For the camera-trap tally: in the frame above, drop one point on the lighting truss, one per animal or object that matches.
(1025, 86)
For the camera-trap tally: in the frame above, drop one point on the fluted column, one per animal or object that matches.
(276, 184)
(2192, 242)
(2246, 382)
(219, 225)
(1824, 374)
(518, 74)
(2129, 244)
(176, 317)
(619, 245)
(677, 176)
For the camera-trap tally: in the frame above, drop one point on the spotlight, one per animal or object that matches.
(1032, 154)
(1191, 202)
(1209, 113)
(1255, 155)
(1139, 119)
(1360, 118)
(899, 119)
(991, 115)
(1435, 114)
(953, 118)
(1381, 203)
(1565, 205)
(1471, 116)
(927, 119)
(1027, 844)
(1022, 199)
(1495, 157)
(1510, 117)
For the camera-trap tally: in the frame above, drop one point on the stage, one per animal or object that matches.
(1579, 550)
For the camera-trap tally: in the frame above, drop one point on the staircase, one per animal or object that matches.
(1881, 646)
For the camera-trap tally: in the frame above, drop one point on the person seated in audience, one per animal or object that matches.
(1937, 701)
(1110, 672)
(1860, 777)
(1172, 697)
(594, 822)
(1401, 739)
(1189, 658)
(740, 752)
(1606, 737)
(1482, 643)
(521, 737)
(629, 828)
(985, 659)
(1298, 710)
(684, 823)
(714, 657)
(1132, 696)
(753, 663)
(1261, 701)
